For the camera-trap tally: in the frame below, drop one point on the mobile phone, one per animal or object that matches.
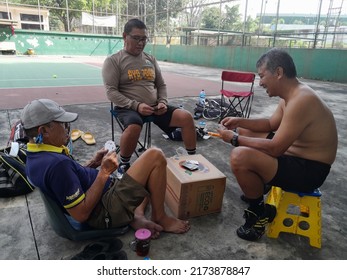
(190, 166)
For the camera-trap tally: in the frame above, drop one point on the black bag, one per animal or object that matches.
(13, 180)
(17, 134)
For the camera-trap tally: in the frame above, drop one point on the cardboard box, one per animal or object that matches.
(194, 193)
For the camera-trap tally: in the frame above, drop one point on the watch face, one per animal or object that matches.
(235, 141)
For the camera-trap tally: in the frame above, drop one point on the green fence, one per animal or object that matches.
(319, 64)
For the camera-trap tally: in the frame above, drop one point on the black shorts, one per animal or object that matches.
(299, 174)
(128, 116)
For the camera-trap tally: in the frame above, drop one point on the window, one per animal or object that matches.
(4, 15)
(32, 26)
(28, 17)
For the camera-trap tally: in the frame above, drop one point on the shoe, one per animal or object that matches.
(88, 138)
(75, 134)
(197, 115)
(120, 255)
(103, 246)
(122, 168)
(267, 188)
(254, 227)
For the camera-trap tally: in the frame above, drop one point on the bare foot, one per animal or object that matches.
(173, 225)
(141, 221)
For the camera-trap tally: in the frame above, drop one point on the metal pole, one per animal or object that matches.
(138, 9)
(260, 20)
(219, 25)
(244, 25)
(67, 16)
(317, 26)
(167, 18)
(155, 17)
(93, 18)
(118, 16)
(8, 10)
(277, 14)
(38, 4)
(115, 20)
(145, 12)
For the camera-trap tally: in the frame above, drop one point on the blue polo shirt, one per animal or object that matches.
(58, 175)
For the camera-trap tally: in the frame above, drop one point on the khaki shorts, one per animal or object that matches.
(118, 204)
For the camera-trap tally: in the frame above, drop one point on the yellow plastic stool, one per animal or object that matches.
(298, 213)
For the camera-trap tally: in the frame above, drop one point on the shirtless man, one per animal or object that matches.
(293, 149)
(89, 195)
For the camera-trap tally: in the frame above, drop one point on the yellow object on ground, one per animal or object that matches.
(88, 138)
(75, 134)
(30, 51)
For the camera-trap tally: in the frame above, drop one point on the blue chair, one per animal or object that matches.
(67, 227)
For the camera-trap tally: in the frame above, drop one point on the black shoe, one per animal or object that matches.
(254, 227)
(267, 188)
(197, 116)
(244, 198)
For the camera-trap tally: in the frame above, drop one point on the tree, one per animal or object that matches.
(211, 17)
(232, 20)
(192, 11)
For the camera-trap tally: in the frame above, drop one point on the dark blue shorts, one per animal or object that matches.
(299, 174)
(128, 116)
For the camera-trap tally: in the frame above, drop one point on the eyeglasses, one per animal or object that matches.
(139, 39)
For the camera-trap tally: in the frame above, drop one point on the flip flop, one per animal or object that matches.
(75, 134)
(88, 138)
(90, 251)
(120, 255)
(106, 248)
(114, 244)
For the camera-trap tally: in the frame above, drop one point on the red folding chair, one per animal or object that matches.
(240, 99)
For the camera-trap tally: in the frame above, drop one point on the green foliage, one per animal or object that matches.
(211, 17)
(232, 19)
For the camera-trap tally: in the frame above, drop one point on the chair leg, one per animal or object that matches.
(147, 139)
(112, 122)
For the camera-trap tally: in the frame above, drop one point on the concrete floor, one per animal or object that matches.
(26, 235)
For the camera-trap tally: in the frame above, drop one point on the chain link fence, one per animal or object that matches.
(263, 23)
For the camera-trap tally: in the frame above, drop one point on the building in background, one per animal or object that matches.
(19, 17)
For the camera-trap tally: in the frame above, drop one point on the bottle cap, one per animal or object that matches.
(143, 234)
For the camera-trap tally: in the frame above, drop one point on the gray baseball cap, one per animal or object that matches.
(42, 111)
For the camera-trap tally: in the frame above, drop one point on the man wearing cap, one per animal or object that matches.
(89, 195)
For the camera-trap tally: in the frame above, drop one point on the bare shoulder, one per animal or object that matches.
(304, 95)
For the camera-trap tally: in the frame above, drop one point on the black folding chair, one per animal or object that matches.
(143, 146)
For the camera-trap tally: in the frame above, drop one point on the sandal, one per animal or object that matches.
(88, 138)
(108, 247)
(120, 255)
(75, 134)
(90, 251)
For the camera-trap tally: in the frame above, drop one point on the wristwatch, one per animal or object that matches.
(235, 140)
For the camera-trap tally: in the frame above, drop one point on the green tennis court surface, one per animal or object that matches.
(48, 74)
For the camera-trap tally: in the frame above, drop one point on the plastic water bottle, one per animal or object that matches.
(202, 97)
